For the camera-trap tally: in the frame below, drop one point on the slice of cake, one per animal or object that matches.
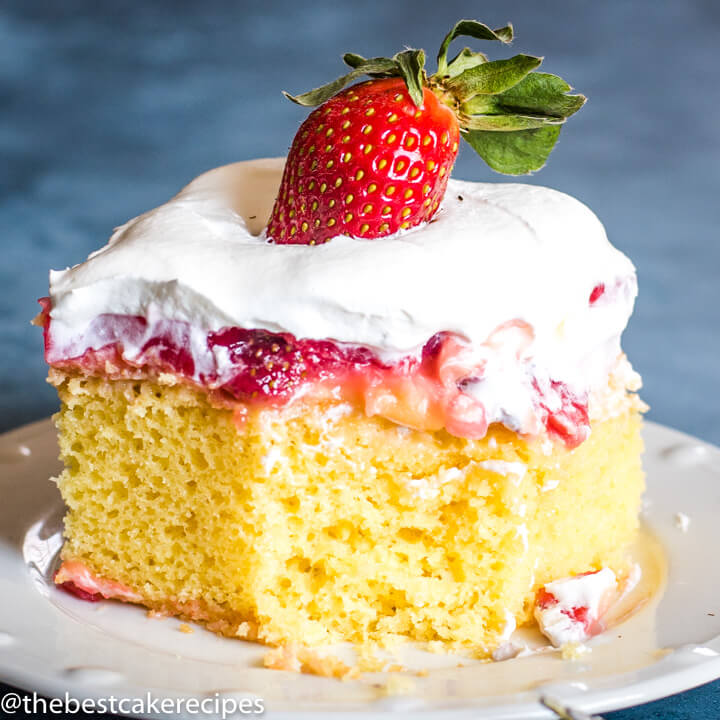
(349, 401)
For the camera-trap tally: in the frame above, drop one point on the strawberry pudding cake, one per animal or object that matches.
(343, 397)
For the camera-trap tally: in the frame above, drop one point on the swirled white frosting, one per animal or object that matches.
(495, 253)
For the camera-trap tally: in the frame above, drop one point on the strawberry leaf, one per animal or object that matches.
(492, 77)
(353, 59)
(541, 93)
(411, 64)
(514, 153)
(357, 61)
(470, 28)
(373, 66)
(482, 104)
(465, 59)
(509, 122)
(408, 64)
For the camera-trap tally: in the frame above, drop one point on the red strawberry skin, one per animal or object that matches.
(366, 163)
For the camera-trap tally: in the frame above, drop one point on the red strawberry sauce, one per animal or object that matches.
(261, 368)
(70, 587)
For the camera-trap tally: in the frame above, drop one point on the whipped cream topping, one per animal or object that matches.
(509, 267)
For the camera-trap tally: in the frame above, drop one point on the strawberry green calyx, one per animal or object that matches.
(508, 112)
(408, 64)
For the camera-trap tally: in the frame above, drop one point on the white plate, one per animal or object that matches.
(53, 643)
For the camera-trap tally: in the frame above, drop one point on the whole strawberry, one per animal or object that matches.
(368, 162)
(375, 158)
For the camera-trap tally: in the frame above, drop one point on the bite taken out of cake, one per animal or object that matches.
(343, 397)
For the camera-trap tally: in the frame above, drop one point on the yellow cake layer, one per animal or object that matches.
(319, 524)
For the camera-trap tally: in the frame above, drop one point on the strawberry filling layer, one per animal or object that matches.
(260, 368)
(75, 578)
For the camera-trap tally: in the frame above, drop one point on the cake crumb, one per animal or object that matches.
(303, 660)
(185, 628)
(247, 631)
(395, 668)
(376, 664)
(437, 646)
(370, 661)
(682, 522)
(371, 664)
(574, 651)
(423, 672)
(398, 684)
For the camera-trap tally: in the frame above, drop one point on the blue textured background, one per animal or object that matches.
(106, 109)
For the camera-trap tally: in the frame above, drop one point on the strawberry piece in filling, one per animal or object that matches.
(565, 416)
(597, 292)
(570, 611)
